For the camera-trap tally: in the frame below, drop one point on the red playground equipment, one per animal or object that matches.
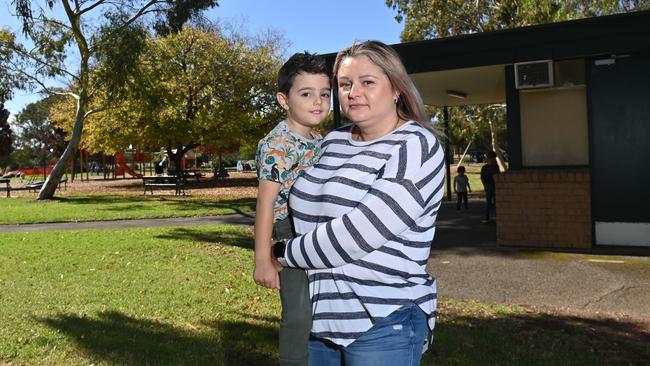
(121, 167)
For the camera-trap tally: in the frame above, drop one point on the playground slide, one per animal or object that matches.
(128, 169)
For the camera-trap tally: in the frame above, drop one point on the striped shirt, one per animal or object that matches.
(365, 217)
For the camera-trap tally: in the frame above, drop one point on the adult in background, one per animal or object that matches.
(365, 218)
(487, 178)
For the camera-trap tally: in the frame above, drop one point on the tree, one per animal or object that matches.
(38, 137)
(6, 135)
(195, 87)
(8, 80)
(434, 19)
(92, 40)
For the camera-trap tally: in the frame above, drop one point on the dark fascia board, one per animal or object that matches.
(613, 34)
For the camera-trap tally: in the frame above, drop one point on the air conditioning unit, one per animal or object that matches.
(534, 74)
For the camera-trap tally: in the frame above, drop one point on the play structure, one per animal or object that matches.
(122, 168)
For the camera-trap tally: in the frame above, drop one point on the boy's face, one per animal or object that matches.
(308, 102)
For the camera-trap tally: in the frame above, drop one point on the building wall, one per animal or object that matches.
(554, 126)
(544, 208)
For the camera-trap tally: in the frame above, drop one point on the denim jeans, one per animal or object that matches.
(394, 340)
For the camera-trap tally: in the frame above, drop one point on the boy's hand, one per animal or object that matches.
(278, 266)
(267, 274)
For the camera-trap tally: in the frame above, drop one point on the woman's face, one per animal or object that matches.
(365, 93)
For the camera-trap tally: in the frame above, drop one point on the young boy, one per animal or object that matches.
(282, 156)
(461, 186)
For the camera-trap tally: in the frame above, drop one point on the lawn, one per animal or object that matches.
(170, 296)
(25, 210)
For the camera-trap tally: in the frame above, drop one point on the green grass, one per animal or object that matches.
(474, 181)
(25, 210)
(134, 297)
(174, 296)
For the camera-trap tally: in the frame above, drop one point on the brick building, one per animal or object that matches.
(578, 120)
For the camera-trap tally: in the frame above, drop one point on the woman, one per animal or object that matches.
(365, 218)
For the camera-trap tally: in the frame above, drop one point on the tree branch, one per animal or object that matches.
(91, 7)
(30, 56)
(75, 22)
(143, 11)
(97, 110)
(43, 19)
(46, 88)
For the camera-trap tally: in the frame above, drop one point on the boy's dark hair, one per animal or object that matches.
(491, 154)
(461, 169)
(300, 62)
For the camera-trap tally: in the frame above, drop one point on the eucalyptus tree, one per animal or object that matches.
(87, 31)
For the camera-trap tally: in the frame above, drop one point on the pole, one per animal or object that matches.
(447, 153)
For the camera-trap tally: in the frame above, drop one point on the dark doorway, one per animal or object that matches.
(619, 103)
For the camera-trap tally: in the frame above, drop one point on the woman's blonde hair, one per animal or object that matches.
(409, 103)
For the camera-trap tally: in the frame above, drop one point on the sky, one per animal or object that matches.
(315, 26)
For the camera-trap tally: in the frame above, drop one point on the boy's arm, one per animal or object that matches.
(455, 180)
(468, 186)
(266, 272)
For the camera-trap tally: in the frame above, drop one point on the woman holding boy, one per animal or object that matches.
(365, 216)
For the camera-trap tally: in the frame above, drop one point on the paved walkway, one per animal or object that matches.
(469, 265)
(176, 221)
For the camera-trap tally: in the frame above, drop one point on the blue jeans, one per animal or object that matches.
(394, 340)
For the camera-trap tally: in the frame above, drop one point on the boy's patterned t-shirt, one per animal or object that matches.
(283, 156)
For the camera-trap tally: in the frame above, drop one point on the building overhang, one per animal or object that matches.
(473, 64)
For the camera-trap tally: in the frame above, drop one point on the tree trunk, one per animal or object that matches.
(178, 156)
(495, 146)
(52, 181)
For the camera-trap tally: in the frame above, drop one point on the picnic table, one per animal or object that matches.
(8, 187)
(164, 182)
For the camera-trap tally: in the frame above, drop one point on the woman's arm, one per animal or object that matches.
(391, 206)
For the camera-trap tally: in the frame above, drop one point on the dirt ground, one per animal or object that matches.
(238, 185)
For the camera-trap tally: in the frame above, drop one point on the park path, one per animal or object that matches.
(235, 219)
(469, 265)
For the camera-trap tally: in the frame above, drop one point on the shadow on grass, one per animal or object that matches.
(236, 238)
(530, 339)
(121, 339)
(537, 339)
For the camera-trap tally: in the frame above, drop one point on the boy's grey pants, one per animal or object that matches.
(295, 325)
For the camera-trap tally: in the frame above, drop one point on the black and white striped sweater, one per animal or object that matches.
(365, 215)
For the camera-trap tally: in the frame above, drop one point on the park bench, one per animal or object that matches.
(35, 186)
(32, 186)
(164, 182)
(8, 186)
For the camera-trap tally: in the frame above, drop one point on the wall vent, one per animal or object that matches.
(534, 74)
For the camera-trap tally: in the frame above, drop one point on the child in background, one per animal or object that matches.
(282, 156)
(461, 186)
(488, 171)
